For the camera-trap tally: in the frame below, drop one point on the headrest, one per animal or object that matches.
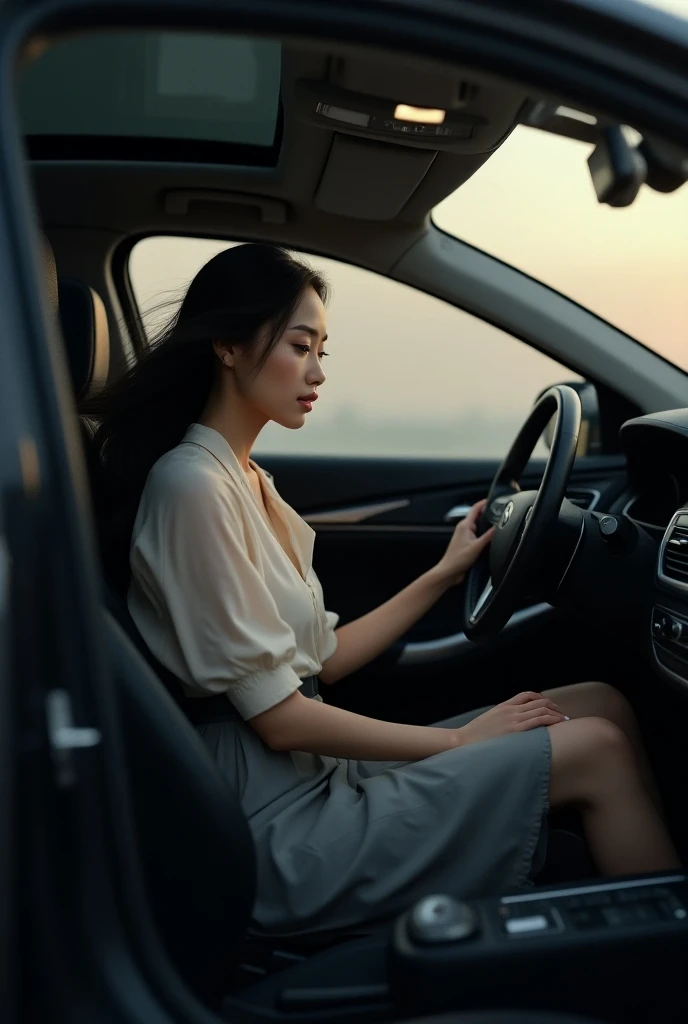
(50, 274)
(86, 335)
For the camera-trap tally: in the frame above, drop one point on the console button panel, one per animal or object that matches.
(669, 630)
(594, 908)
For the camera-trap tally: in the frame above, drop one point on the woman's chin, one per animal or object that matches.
(292, 422)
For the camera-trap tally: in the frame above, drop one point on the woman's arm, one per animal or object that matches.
(360, 641)
(298, 723)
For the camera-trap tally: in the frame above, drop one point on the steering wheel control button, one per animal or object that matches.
(608, 526)
(437, 919)
(618, 532)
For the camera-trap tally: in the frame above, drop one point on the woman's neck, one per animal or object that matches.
(237, 421)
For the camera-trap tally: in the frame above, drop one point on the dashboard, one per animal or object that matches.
(657, 496)
(656, 449)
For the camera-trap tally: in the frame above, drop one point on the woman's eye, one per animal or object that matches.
(306, 349)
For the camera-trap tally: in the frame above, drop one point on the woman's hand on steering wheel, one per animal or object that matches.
(465, 547)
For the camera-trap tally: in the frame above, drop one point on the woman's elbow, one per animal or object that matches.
(274, 725)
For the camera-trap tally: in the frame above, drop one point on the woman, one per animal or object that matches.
(353, 818)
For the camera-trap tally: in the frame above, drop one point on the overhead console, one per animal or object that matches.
(385, 101)
(395, 126)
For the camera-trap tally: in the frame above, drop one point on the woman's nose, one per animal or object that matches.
(316, 375)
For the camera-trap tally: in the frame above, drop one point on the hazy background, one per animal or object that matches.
(408, 374)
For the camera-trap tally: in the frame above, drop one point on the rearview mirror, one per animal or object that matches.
(589, 440)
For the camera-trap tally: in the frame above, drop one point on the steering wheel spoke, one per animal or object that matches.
(482, 600)
(529, 537)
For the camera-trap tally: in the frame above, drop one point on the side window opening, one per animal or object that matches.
(407, 375)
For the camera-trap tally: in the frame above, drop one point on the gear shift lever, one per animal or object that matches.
(436, 919)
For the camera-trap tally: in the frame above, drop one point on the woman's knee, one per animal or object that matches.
(587, 755)
(607, 702)
(593, 700)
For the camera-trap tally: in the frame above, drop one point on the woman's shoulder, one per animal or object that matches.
(189, 472)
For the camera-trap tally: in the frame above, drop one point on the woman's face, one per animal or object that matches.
(286, 386)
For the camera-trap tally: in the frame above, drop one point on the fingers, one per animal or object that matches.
(524, 698)
(533, 696)
(538, 713)
(475, 513)
(542, 702)
(482, 542)
(548, 718)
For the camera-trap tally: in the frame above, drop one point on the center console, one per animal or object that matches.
(616, 950)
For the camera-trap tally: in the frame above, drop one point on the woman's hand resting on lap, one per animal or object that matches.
(464, 548)
(525, 711)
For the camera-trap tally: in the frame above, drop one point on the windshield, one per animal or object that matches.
(532, 205)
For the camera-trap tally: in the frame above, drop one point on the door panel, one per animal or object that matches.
(380, 523)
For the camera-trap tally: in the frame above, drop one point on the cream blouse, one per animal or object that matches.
(214, 593)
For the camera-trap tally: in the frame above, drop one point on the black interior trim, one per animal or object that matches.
(138, 148)
(124, 147)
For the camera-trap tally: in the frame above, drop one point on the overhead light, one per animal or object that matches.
(576, 115)
(421, 115)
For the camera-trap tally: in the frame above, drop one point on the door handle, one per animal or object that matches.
(457, 513)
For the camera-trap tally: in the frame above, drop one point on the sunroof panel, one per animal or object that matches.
(155, 85)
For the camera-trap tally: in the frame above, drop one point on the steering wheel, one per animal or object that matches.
(536, 532)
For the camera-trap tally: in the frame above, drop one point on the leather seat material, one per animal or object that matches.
(50, 274)
(194, 841)
(87, 338)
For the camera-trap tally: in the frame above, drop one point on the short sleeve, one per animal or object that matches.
(222, 624)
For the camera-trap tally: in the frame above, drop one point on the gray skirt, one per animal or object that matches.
(343, 843)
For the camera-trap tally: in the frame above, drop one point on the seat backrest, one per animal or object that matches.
(85, 329)
(195, 845)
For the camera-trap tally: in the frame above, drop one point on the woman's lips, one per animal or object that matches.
(307, 401)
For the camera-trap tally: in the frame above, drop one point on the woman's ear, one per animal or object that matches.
(225, 353)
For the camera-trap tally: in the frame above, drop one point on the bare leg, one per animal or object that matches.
(594, 769)
(600, 700)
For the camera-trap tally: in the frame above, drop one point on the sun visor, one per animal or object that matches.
(370, 180)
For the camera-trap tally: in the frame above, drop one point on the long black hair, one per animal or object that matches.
(234, 298)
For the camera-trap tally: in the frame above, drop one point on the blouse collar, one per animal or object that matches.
(301, 534)
(214, 442)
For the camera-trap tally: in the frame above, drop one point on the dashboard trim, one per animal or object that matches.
(445, 648)
(596, 495)
(572, 558)
(663, 669)
(640, 522)
(668, 581)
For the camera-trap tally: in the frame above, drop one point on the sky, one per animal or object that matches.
(408, 374)
(533, 205)
(676, 7)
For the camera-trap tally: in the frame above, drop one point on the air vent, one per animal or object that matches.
(583, 498)
(675, 555)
